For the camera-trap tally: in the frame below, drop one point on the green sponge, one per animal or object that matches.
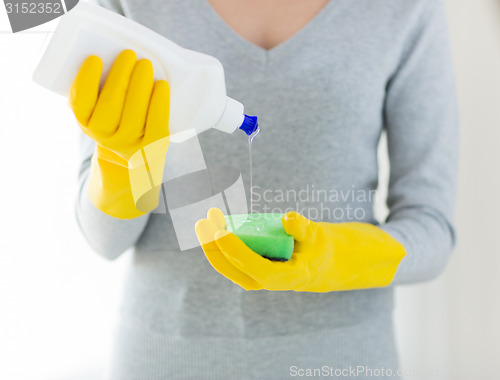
(263, 233)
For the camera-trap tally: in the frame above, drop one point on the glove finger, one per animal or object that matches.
(271, 275)
(207, 228)
(205, 231)
(158, 113)
(85, 89)
(298, 226)
(224, 267)
(108, 110)
(216, 216)
(243, 258)
(135, 109)
(155, 142)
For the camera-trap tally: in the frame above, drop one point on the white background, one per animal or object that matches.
(58, 298)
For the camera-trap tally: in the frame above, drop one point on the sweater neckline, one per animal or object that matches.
(251, 50)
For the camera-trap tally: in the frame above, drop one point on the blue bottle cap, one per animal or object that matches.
(249, 125)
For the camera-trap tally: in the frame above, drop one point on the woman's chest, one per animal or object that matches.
(267, 23)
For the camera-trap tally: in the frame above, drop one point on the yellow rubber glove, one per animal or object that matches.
(327, 256)
(128, 120)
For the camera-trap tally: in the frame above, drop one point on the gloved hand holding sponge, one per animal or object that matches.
(326, 256)
(128, 120)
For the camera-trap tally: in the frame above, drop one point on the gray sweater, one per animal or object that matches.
(323, 98)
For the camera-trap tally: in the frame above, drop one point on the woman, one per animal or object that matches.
(325, 79)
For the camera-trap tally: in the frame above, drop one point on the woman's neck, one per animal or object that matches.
(267, 23)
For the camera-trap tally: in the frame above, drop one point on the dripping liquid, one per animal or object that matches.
(250, 140)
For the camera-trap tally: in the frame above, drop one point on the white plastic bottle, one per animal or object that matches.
(198, 99)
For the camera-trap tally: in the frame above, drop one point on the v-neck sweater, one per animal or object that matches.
(323, 97)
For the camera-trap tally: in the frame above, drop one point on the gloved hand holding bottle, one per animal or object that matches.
(327, 256)
(128, 119)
